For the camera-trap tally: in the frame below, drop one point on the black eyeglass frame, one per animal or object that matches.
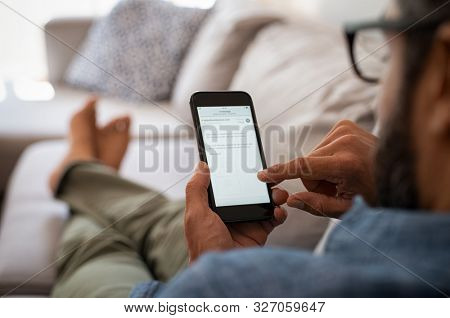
(351, 29)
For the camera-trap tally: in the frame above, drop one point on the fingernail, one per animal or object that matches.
(298, 204)
(201, 166)
(262, 174)
(121, 125)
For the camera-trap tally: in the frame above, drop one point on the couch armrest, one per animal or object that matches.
(62, 37)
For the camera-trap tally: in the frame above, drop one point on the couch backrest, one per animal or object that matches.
(334, 11)
(63, 38)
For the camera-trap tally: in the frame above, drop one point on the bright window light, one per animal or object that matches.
(2, 90)
(204, 4)
(22, 54)
(29, 90)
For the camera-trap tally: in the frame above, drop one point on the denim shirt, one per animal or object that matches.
(371, 253)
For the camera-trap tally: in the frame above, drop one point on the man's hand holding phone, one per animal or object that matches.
(205, 231)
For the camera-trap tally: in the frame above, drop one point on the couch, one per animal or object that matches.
(280, 66)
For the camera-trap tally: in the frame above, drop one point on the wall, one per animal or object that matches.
(337, 11)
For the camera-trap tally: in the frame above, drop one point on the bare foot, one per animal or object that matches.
(112, 141)
(82, 136)
(88, 142)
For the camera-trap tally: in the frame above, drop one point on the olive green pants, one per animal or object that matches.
(119, 234)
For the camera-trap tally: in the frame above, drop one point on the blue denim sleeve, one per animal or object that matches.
(266, 273)
(146, 290)
(243, 273)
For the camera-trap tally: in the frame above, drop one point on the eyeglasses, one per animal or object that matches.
(368, 44)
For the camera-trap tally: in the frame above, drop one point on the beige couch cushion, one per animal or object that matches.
(37, 120)
(31, 224)
(215, 54)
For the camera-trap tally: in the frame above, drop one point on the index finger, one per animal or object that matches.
(309, 168)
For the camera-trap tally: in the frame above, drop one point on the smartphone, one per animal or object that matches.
(229, 142)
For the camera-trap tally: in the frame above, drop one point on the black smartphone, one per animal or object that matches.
(229, 142)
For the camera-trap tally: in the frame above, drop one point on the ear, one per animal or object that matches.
(440, 118)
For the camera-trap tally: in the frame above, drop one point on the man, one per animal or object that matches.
(118, 236)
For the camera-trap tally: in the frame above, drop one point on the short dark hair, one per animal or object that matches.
(419, 41)
(418, 9)
(395, 173)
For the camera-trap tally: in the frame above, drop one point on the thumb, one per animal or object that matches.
(319, 204)
(197, 187)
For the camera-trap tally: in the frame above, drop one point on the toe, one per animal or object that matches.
(89, 107)
(91, 103)
(112, 140)
(86, 113)
(119, 125)
(122, 124)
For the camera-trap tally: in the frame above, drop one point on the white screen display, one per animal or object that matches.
(233, 155)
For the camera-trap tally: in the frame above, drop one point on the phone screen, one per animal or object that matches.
(233, 155)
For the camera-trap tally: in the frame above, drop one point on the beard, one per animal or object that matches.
(394, 165)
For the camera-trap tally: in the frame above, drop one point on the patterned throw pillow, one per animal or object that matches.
(135, 52)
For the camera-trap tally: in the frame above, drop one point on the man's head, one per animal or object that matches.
(413, 162)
